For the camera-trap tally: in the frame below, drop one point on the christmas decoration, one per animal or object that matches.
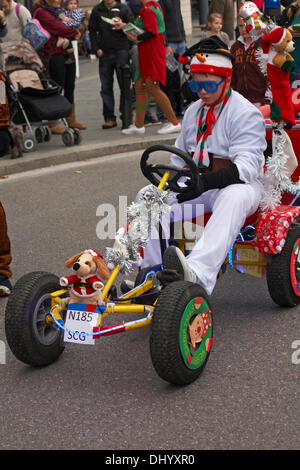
(279, 168)
(277, 45)
(143, 216)
(257, 24)
(88, 270)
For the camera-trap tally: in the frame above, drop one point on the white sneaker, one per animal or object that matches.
(175, 260)
(169, 129)
(134, 130)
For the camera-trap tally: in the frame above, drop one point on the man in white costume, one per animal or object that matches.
(225, 134)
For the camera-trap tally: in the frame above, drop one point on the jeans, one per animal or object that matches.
(109, 63)
(178, 47)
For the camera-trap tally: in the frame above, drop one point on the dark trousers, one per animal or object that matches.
(63, 74)
(5, 256)
(5, 141)
(109, 63)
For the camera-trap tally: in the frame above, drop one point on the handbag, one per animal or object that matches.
(34, 32)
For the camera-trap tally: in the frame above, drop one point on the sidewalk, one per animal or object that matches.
(96, 142)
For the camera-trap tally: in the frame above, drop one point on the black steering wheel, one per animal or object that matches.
(153, 171)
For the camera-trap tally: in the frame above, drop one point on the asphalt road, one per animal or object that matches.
(108, 396)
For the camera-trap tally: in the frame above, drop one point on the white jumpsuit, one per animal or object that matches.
(239, 135)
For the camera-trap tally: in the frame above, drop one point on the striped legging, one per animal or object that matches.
(142, 89)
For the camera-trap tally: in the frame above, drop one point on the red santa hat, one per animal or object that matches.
(93, 253)
(274, 38)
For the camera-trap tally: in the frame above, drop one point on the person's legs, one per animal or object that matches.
(5, 255)
(161, 99)
(106, 73)
(141, 102)
(57, 71)
(124, 80)
(5, 141)
(69, 87)
(230, 208)
(69, 83)
(178, 213)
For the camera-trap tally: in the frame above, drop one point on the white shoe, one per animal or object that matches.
(134, 130)
(175, 260)
(169, 129)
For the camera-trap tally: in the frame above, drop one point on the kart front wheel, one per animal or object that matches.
(181, 333)
(283, 272)
(31, 335)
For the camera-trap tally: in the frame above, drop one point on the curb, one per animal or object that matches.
(83, 152)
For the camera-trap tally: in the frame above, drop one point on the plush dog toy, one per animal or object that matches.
(277, 45)
(86, 284)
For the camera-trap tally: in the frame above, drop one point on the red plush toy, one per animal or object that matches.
(277, 45)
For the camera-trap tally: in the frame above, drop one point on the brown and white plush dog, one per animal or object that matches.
(89, 269)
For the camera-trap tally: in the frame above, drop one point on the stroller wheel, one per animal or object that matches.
(68, 137)
(39, 134)
(30, 142)
(48, 134)
(77, 137)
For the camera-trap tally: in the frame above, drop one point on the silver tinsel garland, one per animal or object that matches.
(142, 217)
(277, 179)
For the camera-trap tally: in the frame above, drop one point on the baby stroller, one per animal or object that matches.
(34, 100)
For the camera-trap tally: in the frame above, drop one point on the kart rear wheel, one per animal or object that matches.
(283, 272)
(181, 333)
(31, 338)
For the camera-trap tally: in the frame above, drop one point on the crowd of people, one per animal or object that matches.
(148, 37)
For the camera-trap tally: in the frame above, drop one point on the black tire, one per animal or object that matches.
(173, 356)
(30, 339)
(283, 277)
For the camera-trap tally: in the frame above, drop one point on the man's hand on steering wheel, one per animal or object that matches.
(193, 194)
(154, 172)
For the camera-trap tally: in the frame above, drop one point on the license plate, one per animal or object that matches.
(79, 324)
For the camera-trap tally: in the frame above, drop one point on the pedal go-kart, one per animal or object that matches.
(38, 323)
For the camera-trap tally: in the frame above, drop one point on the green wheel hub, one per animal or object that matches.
(195, 333)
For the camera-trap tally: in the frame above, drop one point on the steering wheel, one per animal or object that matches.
(150, 171)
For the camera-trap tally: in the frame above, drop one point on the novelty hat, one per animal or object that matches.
(274, 38)
(212, 56)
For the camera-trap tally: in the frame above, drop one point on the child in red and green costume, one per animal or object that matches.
(151, 68)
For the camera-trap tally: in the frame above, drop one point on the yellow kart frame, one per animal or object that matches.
(179, 312)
